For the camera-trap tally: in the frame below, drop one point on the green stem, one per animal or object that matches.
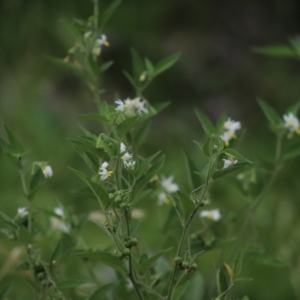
(183, 236)
(131, 270)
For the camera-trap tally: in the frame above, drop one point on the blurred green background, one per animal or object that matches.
(217, 72)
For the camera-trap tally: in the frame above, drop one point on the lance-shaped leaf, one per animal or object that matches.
(270, 113)
(98, 191)
(138, 66)
(68, 284)
(148, 175)
(292, 152)
(108, 12)
(166, 63)
(37, 180)
(147, 263)
(4, 292)
(187, 204)
(205, 122)
(193, 179)
(265, 259)
(276, 51)
(16, 145)
(105, 258)
(222, 172)
(237, 155)
(74, 69)
(99, 294)
(208, 147)
(294, 109)
(238, 262)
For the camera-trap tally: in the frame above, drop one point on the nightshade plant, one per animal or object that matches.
(121, 177)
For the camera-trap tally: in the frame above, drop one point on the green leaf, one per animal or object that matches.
(98, 191)
(146, 264)
(266, 259)
(108, 12)
(222, 283)
(186, 203)
(292, 152)
(205, 122)
(146, 163)
(56, 253)
(105, 258)
(35, 286)
(8, 219)
(237, 265)
(138, 66)
(235, 154)
(145, 179)
(99, 294)
(276, 51)
(130, 78)
(294, 109)
(37, 180)
(106, 66)
(95, 117)
(208, 147)
(222, 172)
(190, 171)
(4, 292)
(270, 113)
(160, 106)
(166, 63)
(67, 284)
(66, 65)
(134, 228)
(141, 134)
(220, 124)
(150, 67)
(181, 289)
(16, 145)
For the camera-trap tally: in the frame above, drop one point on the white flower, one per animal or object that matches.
(120, 105)
(292, 123)
(169, 185)
(122, 148)
(229, 162)
(102, 41)
(211, 214)
(47, 171)
(99, 43)
(130, 164)
(23, 212)
(59, 211)
(104, 174)
(230, 127)
(132, 107)
(126, 157)
(163, 198)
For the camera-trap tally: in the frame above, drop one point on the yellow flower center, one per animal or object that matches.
(109, 173)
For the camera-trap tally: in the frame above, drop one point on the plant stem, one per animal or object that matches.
(131, 269)
(182, 239)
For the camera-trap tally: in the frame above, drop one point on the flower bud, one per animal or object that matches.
(178, 260)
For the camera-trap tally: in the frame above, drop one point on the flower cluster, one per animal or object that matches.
(213, 215)
(168, 187)
(131, 107)
(104, 174)
(291, 123)
(128, 162)
(230, 127)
